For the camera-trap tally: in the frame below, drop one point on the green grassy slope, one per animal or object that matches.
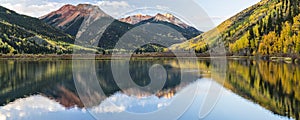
(24, 34)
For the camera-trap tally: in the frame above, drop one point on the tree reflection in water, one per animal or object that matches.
(273, 85)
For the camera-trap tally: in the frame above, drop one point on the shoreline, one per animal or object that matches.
(134, 56)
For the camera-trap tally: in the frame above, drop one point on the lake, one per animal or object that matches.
(245, 89)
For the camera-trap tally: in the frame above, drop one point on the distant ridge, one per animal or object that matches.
(134, 19)
(165, 19)
(69, 18)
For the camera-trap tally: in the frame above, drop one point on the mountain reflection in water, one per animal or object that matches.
(274, 86)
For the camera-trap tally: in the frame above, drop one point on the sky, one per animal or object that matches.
(215, 10)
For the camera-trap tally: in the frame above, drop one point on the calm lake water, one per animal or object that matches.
(252, 90)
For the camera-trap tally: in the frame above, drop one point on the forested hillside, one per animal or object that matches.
(271, 27)
(22, 34)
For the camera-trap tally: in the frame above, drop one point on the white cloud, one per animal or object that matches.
(218, 17)
(2, 117)
(34, 8)
(162, 7)
(38, 8)
(217, 20)
(115, 4)
(121, 102)
(39, 107)
(115, 8)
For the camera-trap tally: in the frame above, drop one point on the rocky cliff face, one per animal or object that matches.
(169, 18)
(134, 19)
(69, 17)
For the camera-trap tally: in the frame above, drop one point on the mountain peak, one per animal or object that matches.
(134, 19)
(159, 17)
(164, 19)
(87, 7)
(171, 19)
(69, 15)
(67, 6)
(84, 5)
(80, 9)
(168, 15)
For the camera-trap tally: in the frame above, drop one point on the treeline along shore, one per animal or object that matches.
(167, 55)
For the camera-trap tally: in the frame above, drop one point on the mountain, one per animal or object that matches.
(270, 27)
(69, 19)
(131, 37)
(142, 19)
(134, 19)
(165, 19)
(24, 34)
